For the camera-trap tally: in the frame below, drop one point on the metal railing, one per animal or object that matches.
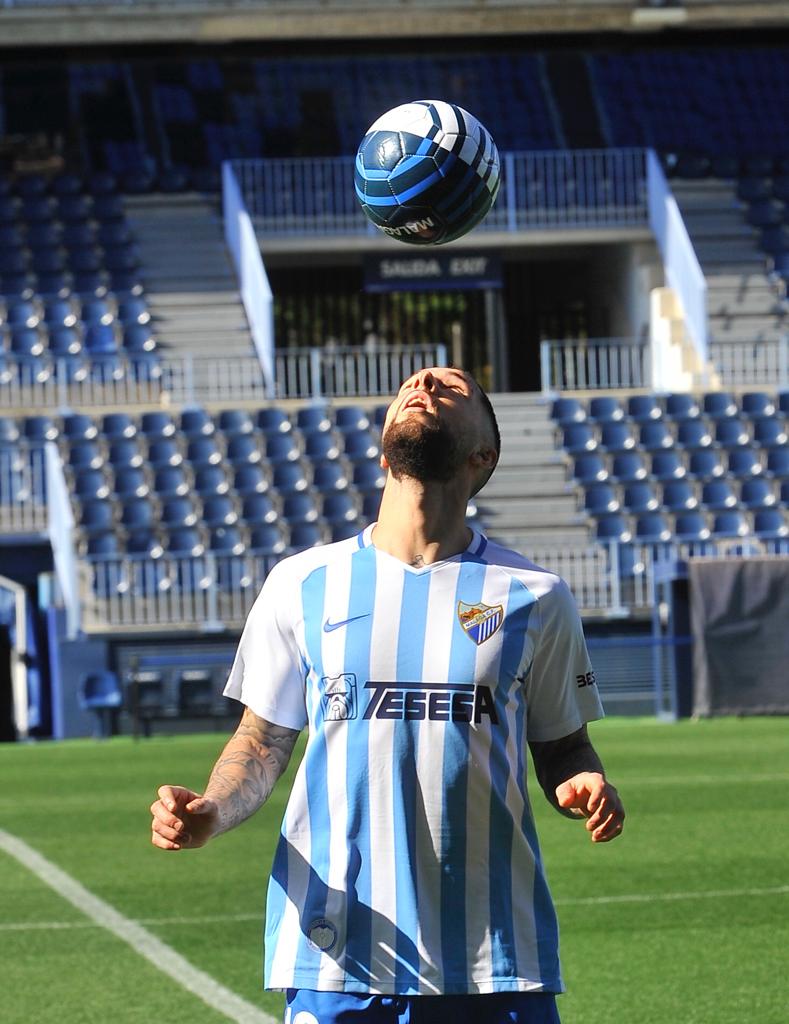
(23, 491)
(540, 190)
(589, 364)
(188, 380)
(752, 364)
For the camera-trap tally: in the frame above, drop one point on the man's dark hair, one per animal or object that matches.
(494, 425)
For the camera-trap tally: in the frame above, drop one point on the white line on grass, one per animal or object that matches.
(162, 956)
(654, 897)
(663, 897)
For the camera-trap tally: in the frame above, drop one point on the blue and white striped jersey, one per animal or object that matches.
(408, 859)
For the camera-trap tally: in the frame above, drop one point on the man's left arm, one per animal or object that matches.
(573, 779)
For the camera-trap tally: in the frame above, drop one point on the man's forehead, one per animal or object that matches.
(446, 373)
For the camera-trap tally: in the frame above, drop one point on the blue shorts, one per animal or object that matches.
(304, 1006)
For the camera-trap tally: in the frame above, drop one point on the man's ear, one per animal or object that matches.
(383, 462)
(484, 457)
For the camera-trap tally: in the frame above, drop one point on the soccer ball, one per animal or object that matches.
(426, 172)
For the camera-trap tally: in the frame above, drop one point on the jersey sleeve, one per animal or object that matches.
(561, 694)
(268, 673)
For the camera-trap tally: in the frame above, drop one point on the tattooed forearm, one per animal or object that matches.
(248, 768)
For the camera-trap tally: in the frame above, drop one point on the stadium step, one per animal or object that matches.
(189, 281)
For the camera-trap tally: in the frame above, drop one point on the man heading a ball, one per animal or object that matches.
(422, 658)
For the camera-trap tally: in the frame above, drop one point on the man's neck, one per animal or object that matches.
(422, 523)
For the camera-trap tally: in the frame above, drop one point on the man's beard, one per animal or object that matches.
(421, 451)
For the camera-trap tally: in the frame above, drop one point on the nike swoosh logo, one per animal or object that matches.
(329, 627)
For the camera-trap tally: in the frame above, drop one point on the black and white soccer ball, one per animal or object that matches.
(426, 172)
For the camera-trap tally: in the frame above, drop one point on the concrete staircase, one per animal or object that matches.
(528, 503)
(189, 280)
(741, 301)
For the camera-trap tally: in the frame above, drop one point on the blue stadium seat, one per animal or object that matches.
(321, 445)
(203, 451)
(184, 541)
(125, 451)
(313, 417)
(368, 476)
(784, 492)
(196, 422)
(227, 540)
(145, 367)
(134, 310)
(40, 428)
(330, 475)
(639, 498)
(344, 530)
(290, 476)
(567, 410)
(678, 495)
(613, 527)
(273, 420)
(667, 465)
(300, 507)
(719, 405)
(103, 544)
(244, 448)
(783, 403)
(769, 432)
(350, 418)
(705, 464)
(138, 513)
(118, 425)
(26, 342)
(743, 463)
(587, 468)
(616, 436)
(282, 448)
(60, 313)
(600, 499)
(219, 510)
(717, 495)
(693, 434)
(757, 404)
(130, 483)
(653, 528)
(731, 433)
(371, 504)
(757, 493)
(361, 444)
(307, 535)
(628, 467)
(251, 479)
(139, 338)
(170, 482)
(259, 508)
(644, 408)
(655, 435)
(178, 511)
(340, 507)
(605, 409)
(267, 539)
(578, 438)
(731, 523)
(98, 311)
(157, 424)
(234, 422)
(691, 526)
(210, 480)
(78, 426)
(164, 451)
(90, 484)
(770, 523)
(97, 516)
(100, 339)
(778, 463)
(85, 455)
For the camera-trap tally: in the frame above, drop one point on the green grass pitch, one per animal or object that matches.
(684, 920)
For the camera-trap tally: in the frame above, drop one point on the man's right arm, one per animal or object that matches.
(241, 781)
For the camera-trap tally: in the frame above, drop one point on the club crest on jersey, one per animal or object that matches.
(339, 697)
(480, 621)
